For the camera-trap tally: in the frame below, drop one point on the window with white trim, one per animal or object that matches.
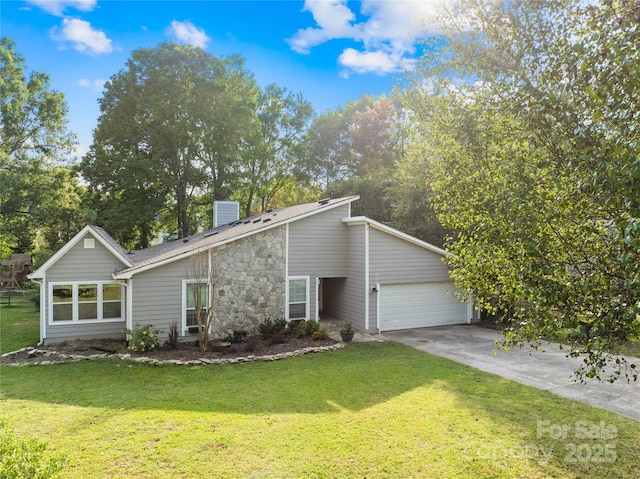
(193, 290)
(298, 305)
(85, 302)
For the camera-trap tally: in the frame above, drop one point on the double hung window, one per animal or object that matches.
(196, 296)
(85, 302)
(298, 305)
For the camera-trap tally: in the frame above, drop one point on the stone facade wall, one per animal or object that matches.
(252, 282)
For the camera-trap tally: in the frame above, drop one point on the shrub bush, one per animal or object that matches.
(307, 328)
(143, 338)
(319, 335)
(271, 327)
(25, 458)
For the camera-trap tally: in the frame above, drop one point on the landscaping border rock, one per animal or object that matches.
(55, 357)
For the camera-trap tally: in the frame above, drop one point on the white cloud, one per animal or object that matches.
(96, 85)
(388, 33)
(378, 62)
(186, 32)
(57, 7)
(334, 21)
(84, 38)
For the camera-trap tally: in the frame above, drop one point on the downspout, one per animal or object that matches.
(286, 273)
(128, 320)
(43, 328)
(366, 276)
(210, 290)
(378, 307)
(317, 316)
(469, 308)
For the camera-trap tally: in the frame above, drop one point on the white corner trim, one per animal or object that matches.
(128, 307)
(286, 272)
(317, 300)
(366, 277)
(378, 287)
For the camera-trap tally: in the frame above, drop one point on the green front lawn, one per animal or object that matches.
(19, 324)
(371, 410)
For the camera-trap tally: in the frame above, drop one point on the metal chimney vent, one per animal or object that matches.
(225, 212)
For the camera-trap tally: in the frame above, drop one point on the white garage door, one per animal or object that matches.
(405, 306)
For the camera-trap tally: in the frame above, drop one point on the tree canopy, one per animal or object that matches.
(39, 198)
(529, 119)
(180, 128)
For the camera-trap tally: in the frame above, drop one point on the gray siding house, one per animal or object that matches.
(297, 262)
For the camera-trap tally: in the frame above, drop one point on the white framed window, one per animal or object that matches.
(297, 298)
(190, 290)
(85, 302)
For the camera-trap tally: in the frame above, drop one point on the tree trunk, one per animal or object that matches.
(182, 209)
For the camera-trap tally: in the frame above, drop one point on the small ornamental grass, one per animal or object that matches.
(173, 338)
(143, 338)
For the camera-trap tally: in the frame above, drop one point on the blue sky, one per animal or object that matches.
(331, 51)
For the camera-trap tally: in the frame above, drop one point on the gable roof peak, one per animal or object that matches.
(98, 233)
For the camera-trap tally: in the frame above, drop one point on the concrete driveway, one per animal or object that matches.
(549, 370)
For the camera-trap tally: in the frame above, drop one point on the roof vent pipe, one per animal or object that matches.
(225, 212)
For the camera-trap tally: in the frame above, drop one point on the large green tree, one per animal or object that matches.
(356, 149)
(532, 126)
(274, 147)
(39, 195)
(170, 127)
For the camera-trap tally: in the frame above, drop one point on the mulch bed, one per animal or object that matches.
(253, 346)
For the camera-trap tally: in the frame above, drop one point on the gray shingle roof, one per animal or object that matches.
(143, 259)
(113, 243)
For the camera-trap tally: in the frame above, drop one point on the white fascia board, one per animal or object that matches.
(361, 220)
(39, 273)
(129, 274)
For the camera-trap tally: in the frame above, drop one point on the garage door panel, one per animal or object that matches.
(404, 306)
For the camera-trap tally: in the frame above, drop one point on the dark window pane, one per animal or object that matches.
(88, 311)
(62, 312)
(112, 310)
(192, 320)
(297, 311)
